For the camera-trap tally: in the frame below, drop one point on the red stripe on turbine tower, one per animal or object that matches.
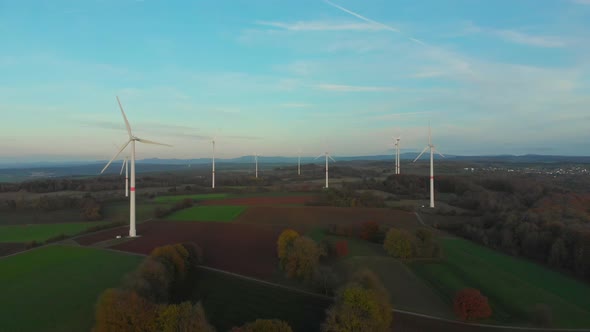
(132, 188)
(432, 177)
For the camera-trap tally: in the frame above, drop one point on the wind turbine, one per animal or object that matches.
(327, 156)
(132, 140)
(432, 150)
(397, 154)
(126, 176)
(213, 172)
(256, 161)
(299, 163)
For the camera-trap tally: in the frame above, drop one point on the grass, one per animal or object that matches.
(42, 232)
(197, 197)
(119, 211)
(231, 301)
(512, 285)
(407, 291)
(219, 213)
(55, 288)
(38, 217)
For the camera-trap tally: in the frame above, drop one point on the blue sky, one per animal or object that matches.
(273, 76)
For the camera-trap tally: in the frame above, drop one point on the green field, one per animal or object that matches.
(42, 232)
(220, 213)
(197, 197)
(119, 211)
(231, 301)
(55, 288)
(512, 285)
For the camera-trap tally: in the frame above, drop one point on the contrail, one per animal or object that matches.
(385, 26)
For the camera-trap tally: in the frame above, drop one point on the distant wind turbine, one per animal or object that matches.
(397, 154)
(327, 156)
(299, 163)
(432, 150)
(132, 140)
(213, 171)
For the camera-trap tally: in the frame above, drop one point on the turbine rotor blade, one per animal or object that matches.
(151, 142)
(123, 166)
(319, 156)
(440, 154)
(125, 118)
(115, 157)
(331, 158)
(421, 153)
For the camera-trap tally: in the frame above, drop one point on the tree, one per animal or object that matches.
(150, 280)
(183, 317)
(369, 231)
(285, 244)
(264, 325)
(470, 304)
(558, 255)
(398, 243)
(341, 248)
(124, 311)
(358, 309)
(426, 247)
(303, 258)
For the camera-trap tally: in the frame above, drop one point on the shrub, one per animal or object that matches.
(470, 304)
(183, 317)
(341, 248)
(303, 258)
(285, 244)
(369, 231)
(124, 311)
(398, 243)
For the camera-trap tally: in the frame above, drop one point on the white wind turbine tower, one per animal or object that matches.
(256, 161)
(432, 150)
(213, 171)
(132, 140)
(299, 163)
(397, 154)
(327, 156)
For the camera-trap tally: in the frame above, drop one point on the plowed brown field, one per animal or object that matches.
(253, 201)
(240, 248)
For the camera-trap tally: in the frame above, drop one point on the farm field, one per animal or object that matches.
(7, 248)
(261, 200)
(38, 217)
(232, 301)
(513, 285)
(220, 213)
(240, 248)
(407, 291)
(314, 216)
(42, 232)
(119, 211)
(196, 197)
(63, 300)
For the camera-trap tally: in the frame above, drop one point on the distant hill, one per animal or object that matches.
(11, 172)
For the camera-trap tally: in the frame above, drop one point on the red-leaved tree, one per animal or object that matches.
(470, 304)
(341, 248)
(369, 230)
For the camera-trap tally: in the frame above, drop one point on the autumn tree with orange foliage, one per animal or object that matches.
(285, 244)
(470, 304)
(303, 258)
(124, 311)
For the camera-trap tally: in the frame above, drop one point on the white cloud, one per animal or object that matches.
(582, 2)
(531, 40)
(322, 26)
(354, 88)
